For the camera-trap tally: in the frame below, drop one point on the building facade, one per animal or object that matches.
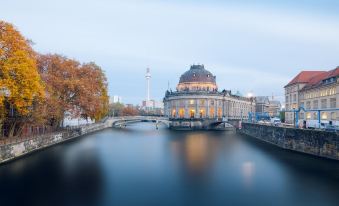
(262, 104)
(197, 101)
(268, 106)
(274, 108)
(316, 92)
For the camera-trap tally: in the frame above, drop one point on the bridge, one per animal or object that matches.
(119, 122)
(195, 123)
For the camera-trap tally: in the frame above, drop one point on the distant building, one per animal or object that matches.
(274, 108)
(153, 107)
(115, 99)
(265, 105)
(262, 104)
(313, 90)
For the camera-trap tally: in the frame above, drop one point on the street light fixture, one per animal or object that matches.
(5, 91)
(250, 95)
(293, 115)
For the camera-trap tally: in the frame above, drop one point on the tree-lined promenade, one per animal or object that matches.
(36, 90)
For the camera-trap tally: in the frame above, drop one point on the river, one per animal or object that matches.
(140, 165)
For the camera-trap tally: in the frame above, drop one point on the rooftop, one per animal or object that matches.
(313, 78)
(197, 73)
(304, 77)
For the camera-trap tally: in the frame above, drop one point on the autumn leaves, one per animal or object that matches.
(39, 89)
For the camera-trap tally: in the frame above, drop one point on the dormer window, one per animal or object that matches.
(208, 75)
(194, 74)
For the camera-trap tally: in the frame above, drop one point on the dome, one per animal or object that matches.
(197, 79)
(197, 73)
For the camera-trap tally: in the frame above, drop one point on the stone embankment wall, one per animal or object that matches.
(319, 143)
(14, 150)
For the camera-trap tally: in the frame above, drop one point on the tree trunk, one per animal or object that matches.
(12, 129)
(1, 130)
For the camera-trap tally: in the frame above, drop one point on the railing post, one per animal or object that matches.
(319, 118)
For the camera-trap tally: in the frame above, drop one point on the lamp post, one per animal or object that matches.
(250, 96)
(223, 105)
(293, 116)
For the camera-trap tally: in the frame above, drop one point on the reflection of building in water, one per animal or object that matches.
(248, 173)
(196, 151)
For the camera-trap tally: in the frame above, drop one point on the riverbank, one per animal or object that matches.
(18, 149)
(318, 143)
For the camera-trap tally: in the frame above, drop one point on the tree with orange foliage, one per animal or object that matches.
(20, 82)
(129, 111)
(59, 75)
(72, 87)
(93, 100)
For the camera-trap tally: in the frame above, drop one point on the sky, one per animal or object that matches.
(251, 46)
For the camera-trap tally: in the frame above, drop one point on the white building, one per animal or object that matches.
(115, 99)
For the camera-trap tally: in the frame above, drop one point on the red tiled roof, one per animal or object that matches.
(313, 78)
(318, 79)
(305, 76)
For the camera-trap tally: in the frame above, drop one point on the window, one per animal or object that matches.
(324, 115)
(192, 113)
(212, 102)
(173, 113)
(308, 105)
(333, 116)
(191, 101)
(308, 115)
(315, 104)
(202, 102)
(324, 103)
(302, 115)
(294, 97)
(181, 113)
(211, 112)
(286, 98)
(333, 103)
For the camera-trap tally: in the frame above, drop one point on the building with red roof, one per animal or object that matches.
(313, 90)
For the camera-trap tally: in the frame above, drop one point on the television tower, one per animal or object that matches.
(148, 78)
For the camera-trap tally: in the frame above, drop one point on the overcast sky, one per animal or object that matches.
(255, 47)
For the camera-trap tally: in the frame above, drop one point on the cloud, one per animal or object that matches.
(248, 47)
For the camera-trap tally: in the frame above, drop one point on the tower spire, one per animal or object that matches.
(148, 78)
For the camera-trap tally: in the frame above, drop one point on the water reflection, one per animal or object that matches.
(248, 169)
(140, 165)
(195, 151)
(56, 176)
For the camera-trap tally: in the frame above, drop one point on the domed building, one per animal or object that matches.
(198, 104)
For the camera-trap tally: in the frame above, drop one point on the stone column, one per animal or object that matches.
(207, 108)
(216, 109)
(196, 108)
(176, 108)
(186, 109)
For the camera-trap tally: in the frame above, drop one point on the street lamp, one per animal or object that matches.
(293, 115)
(250, 96)
(5, 91)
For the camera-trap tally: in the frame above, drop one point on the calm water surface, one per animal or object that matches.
(143, 166)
